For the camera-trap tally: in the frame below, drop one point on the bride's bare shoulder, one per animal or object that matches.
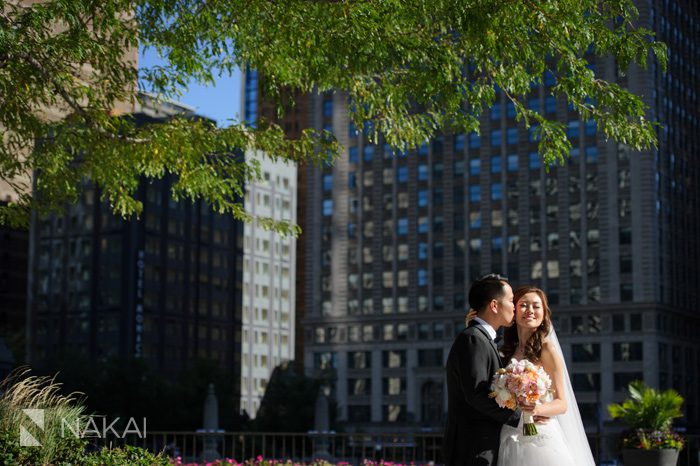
(549, 353)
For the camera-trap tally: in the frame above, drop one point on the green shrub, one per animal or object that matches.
(125, 456)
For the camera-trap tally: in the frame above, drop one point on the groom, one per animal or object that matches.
(473, 419)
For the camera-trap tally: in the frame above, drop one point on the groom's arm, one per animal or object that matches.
(475, 378)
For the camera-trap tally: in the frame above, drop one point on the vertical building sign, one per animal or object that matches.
(138, 315)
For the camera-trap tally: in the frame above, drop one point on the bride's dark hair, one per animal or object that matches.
(533, 346)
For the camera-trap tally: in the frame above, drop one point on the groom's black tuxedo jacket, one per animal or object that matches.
(473, 419)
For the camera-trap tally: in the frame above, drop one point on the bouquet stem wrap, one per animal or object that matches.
(529, 427)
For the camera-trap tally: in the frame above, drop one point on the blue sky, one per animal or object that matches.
(221, 102)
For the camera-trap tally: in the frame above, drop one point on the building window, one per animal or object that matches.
(549, 78)
(422, 277)
(495, 138)
(402, 174)
(550, 104)
(495, 164)
(512, 163)
(534, 104)
(353, 154)
(635, 322)
(423, 225)
(587, 324)
(388, 331)
(497, 244)
(512, 135)
(402, 226)
(422, 172)
(572, 130)
(591, 154)
(359, 360)
(429, 357)
(475, 193)
(368, 153)
(422, 251)
(627, 351)
(534, 161)
(474, 220)
(359, 413)
(496, 112)
(438, 300)
(458, 168)
(590, 128)
(327, 108)
(618, 321)
(359, 387)
(394, 413)
(432, 403)
(352, 129)
(496, 191)
(394, 359)
(388, 303)
(325, 360)
(327, 207)
(585, 352)
(458, 142)
(474, 167)
(422, 198)
(626, 290)
(474, 141)
(402, 252)
(423, 149)
(394, 386)
(586, 382)
(327, 182)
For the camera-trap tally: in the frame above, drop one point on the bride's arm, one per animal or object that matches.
(554, 366)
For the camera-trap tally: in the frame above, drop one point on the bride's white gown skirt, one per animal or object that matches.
(545, 449)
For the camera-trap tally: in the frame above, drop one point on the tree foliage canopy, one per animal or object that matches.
(413, 69)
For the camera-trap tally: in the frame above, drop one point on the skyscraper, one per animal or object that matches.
(394, 240)
(296, 119)
(14, 250)
(165, 287)
(269, 280)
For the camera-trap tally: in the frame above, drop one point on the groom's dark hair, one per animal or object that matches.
(485, 289)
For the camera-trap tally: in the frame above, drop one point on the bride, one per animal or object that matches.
(561, 440)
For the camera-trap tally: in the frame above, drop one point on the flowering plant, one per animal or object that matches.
(650, 414)
(521, 383)
(260, 461)
(653, 440)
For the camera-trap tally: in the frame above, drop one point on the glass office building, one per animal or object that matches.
(393, 241)
(165, 287)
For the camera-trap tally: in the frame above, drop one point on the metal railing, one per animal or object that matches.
(353, 448)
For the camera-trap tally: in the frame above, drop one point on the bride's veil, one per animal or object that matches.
(570, 421)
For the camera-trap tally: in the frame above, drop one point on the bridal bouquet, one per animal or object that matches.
(521, 383)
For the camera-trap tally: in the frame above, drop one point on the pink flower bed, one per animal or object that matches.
(260, 461)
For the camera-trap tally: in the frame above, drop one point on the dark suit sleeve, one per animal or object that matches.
(475, 375)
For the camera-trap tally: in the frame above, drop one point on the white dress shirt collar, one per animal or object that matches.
(489, 329)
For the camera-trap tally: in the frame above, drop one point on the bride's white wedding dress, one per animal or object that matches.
(547, 448)
(560, 442)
